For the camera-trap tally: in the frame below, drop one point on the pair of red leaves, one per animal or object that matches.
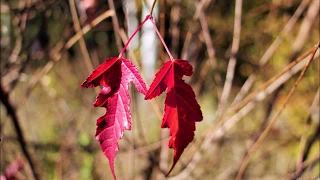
(181, 108)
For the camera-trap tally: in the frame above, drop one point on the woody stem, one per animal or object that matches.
(152, 7)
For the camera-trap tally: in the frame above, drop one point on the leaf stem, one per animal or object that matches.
(135, 32)
(160, 37)
(152, 7)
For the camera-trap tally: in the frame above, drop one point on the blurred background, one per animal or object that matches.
(48, 48)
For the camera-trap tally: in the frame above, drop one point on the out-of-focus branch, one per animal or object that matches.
(301, 38)
(35, 167)
(82, 43)
(233, 60)
(174, 28)
(288, 27)
(88, 27)
(14, 56)
(208, 40)
(212, 57)
(268, 88)
(304, 137)
(306, 25)
(115, 24)
(271, 50)
(302, 167)
(139, 150)
(270, 125)
(200, 7)
(311, 141)
(55, 52)
(249, 97)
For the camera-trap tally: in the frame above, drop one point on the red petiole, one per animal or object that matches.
(160, 37)
(135, 32)
(148, 17)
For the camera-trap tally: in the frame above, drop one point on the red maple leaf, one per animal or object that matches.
(181, 108)
(114, 74)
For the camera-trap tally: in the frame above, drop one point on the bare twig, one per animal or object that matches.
(174, 28)
(303, 139)
(303, 166)
(88, 27)
(162, 27)
(152, 7)
(199, 7)
(115, 24)
(35, 167)
(213, 136)
(208, 40)
(55, 52)
(212, 59)
(232, 62)
(270, 125)
(14, 56)
(311, 141)
(275, 44)
(82, 42)
(272, 48)
(306, 25)
(266, 84)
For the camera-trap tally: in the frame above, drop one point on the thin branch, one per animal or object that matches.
(162, 27)
(266, 84)
(35, 167)
(14, 56)
(199, 7)
(212, 136)
(270, 125)
(304, 137)
(271, 50)
(152, 7)
(208, 39)
(115, 24)
(306, 25)
(311, 141)
(303, 166)
(276, 43)
(233, 60)
(212, 58)
(174, 28)
(88, 27)
(82, 42)
(55, 52)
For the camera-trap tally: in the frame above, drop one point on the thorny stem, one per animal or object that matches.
(135, 32)
(160, 37)
(152, 7)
